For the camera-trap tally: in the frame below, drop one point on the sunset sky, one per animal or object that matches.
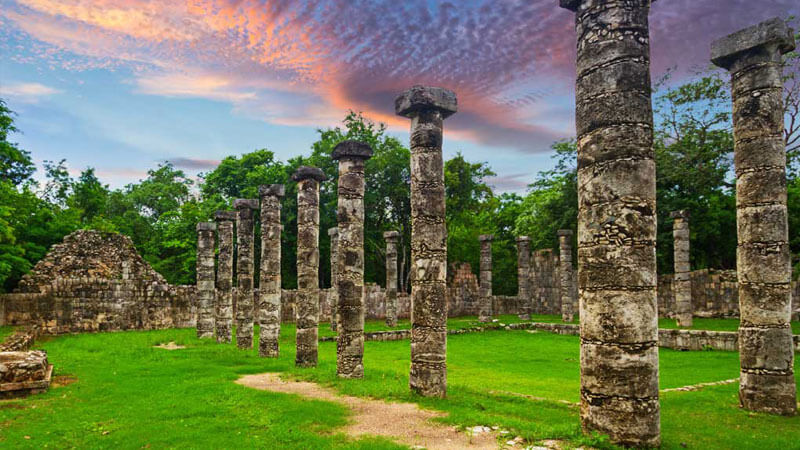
(123, 84)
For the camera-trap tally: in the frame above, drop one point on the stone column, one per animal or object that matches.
(307, 300)
(524, 298)
(244, 271)
(350, 281)
(334, 295)
(224, 307)
(616, 221)
(268, 312)
(205, 280)
(565, 275)
(391, 238)
(682, 284)
(427, 107)
(763, 258)
(485, 278)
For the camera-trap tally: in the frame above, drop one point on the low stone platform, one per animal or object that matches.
(24, 373)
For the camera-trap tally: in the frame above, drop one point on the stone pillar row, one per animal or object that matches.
(205, 280)
(763, 258)
(682, 284)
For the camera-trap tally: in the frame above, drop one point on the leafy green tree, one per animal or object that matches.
(16, 166)
(165, 189)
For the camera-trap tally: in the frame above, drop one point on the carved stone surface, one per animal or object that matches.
(24, 373)
(205, 280)
(268, 312)
(616, 221)
(524, 297)
(763, 257)
(682, 283)
(307, 304)
(568, 291)
(244, 271)
(350, 267)
(333, 233)
(224, 299)
(427, 107)
(391, 238)
(485, 272)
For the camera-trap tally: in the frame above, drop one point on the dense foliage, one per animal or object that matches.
(693, 146)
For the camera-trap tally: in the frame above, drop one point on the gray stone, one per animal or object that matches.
(485, 312)
(333, 233)
(306, 173)
(424, 98)
(224, 304)
(243, 306)
(205, 280)
(307, 304)
(268, 312)
(753, 56)
(351, 149)
(524, 296)
(391, 238)
(569, 292)
(683, 284)
(616, 222)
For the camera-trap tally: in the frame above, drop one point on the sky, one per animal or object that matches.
(122, 85)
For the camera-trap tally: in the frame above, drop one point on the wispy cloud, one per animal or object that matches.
(26, 92)
(194, 163)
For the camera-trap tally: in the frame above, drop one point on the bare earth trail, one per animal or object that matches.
(405, 423)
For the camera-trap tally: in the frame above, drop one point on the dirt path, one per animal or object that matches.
(404, 423)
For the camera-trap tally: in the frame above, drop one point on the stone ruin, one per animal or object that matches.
(97, 281)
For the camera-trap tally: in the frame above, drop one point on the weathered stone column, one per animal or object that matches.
(307, 303)
(485, 278)
(350, 280)
(616, 221)
(763, 258)
(427, 107)
(565, 275)
(524, 297)
(268, 312)
(682, 285)
(391, 238)
(205, 280)
(334, 297)
(224, 306)
(244, 271)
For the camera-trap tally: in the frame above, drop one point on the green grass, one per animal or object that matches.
(5, 331)
(129, 394)
(453, 323)
(714, 324)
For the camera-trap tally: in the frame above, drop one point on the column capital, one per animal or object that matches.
(245, 203)
(391, 236)
(486, 237)
(309, 173)
(333, 232)
(426, 98)
(679, 214)
(206, 226)
(271, 190)
(573, 5)
(768, 39)
(566, 233)
(222, 216)
(521, 239)
(351, 149)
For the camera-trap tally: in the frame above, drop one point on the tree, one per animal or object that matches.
(165, 189)
(16, 166)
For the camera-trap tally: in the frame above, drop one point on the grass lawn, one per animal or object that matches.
(5, 331)
(130, 395)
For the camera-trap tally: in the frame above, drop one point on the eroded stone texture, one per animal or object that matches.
(205, 280)
(244, 271)
(427, 107)
(268, 312)
(391, 238)
(24, 373)
(224, 303)
(682, 284)
(333, 233)
(565, 271)
(307, 303)
(350, 280)
(763, 258)
(524, 297)
(616, 221)
(485, 272)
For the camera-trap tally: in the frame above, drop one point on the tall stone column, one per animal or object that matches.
(307, 303)
(205, 280)
(244, 271)
(524, 298)
(485, 272)
(427, 107)
(350, 280)
(565, 275)
(682, 285)
(334, 296)
(224, 307)
(391, 238)
(616, 221)
(763, 258)
(268, 312)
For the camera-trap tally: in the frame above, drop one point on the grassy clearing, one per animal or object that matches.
(130, 395)
(453, 323)
(5, 331)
